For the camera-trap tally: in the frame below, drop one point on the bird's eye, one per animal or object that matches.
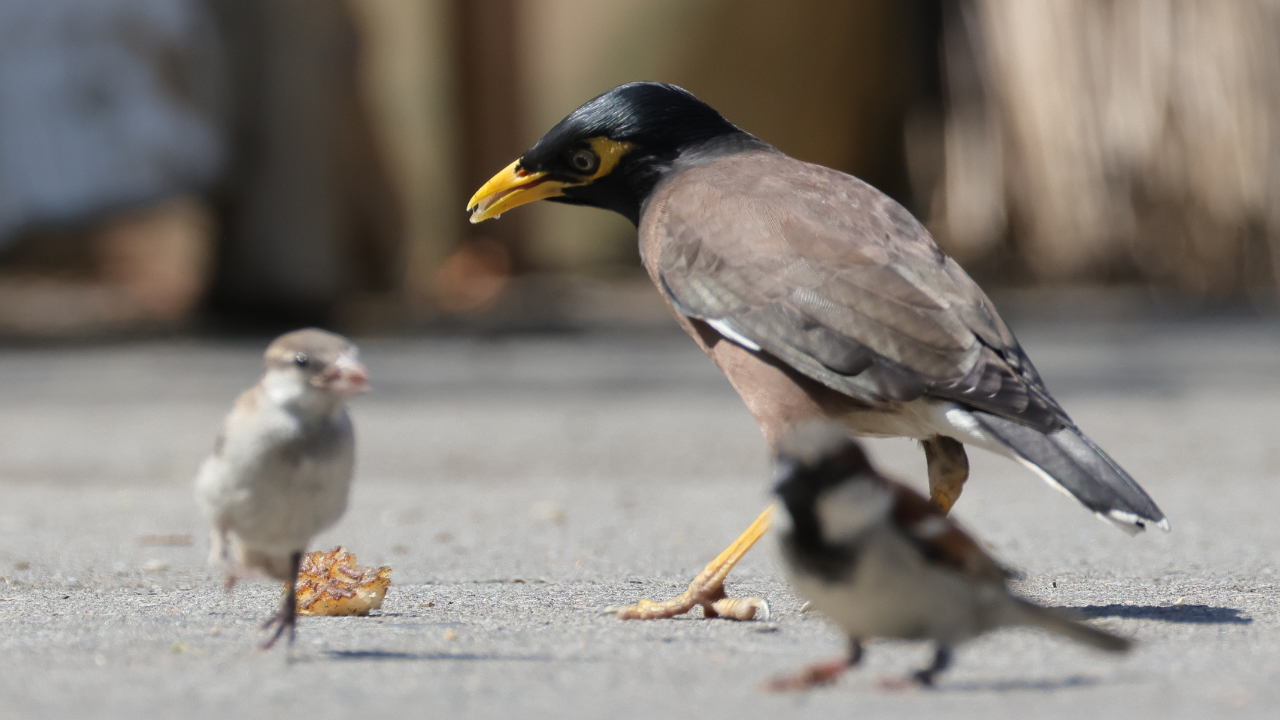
(300, 359)
(584, 161)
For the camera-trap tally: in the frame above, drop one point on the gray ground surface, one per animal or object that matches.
(517, 485)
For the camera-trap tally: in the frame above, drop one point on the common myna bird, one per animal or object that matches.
(881, 561)
(817, 295)
(282, 463)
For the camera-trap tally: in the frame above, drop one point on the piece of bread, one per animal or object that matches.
(331, 583)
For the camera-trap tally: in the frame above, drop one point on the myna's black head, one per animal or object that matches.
(609, 153)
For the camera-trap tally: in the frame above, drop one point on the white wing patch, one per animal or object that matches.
(723, 328)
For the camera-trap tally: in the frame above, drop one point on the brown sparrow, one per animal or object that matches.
(282, 463)
(882, 561)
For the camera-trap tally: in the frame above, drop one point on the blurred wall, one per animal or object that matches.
(109, 129)
(1042, 142)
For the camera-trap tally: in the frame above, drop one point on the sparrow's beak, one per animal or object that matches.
(346, 376)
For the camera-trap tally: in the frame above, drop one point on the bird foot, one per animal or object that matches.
(285, 619)
(811, 677)
(711, 597)
(707, 589)
(231, 575)
(920, 678)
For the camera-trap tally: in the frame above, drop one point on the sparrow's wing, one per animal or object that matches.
(940, 540)
(835, 279)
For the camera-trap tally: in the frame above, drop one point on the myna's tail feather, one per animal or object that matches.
(1072, 462)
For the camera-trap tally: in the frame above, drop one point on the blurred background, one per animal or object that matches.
(213, 165)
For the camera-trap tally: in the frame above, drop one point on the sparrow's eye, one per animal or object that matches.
(300, 359)
(584, 161)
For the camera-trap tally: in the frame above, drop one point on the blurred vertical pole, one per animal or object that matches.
(311, 219)
(490, 110)
(279, 260)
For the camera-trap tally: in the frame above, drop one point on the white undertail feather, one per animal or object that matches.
(927, 417)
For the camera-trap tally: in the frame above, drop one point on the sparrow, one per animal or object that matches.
(882, 561)
(282, 463)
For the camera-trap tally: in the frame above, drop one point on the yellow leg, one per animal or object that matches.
(707, 589)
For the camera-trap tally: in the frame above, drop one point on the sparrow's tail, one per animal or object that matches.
(1073, 463)
(1065, 623)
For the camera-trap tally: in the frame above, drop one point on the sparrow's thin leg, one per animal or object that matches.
(220, 554)
(707, 589)
(287, 617)
(948, 470)
(941, 659)
(819, 674)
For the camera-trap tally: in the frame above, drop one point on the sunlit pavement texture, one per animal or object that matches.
(518, 484)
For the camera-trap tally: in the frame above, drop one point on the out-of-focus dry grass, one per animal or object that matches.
(1136, 140)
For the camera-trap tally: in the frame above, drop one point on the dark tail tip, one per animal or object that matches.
(1072, 462)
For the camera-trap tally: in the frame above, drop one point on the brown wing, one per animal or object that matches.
(836, 279)
(940, 540)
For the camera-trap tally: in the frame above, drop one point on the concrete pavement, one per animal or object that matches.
(518, 484)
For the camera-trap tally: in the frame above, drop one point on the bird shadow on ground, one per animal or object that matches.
(1020, 684)
(1200, 614)
(385, 655)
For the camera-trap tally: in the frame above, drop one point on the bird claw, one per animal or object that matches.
(281, 620)
(650, 610)
(707, 589)
(742, 608)
(712, 599)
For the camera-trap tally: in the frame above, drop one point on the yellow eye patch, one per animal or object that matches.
(610, 153)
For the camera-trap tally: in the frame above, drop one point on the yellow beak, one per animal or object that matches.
(509, 189)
